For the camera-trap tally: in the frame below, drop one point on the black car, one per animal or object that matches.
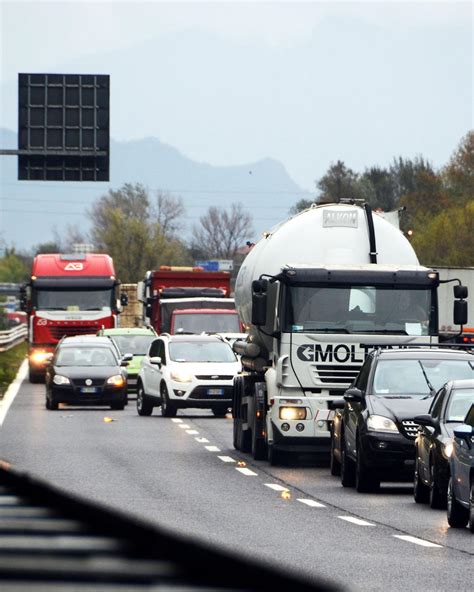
(434, 443)
(372, 438)
(86, 370)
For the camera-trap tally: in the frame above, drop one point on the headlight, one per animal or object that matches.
(181, 376)
(378, 423)
(117, 380)
(289, 413)
(58, 379)
(40, 357)
(448, 448)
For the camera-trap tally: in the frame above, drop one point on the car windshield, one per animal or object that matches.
(85, 356)
(133, 344)
(201, 351)
(196, 322)
(358, 309)
(459, 404)
(413, 377)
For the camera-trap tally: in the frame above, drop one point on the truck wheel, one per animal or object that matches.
(144, 407)
(421, 492)
(51, 403)
(334, 464)
(437, 497)
(458, 515)
(168, 409)
(35, 377)
(259, 447)
(274, 456)
(347, 467)
(118, 405)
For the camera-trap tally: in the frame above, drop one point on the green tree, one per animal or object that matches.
(340, 182)
(376, 187)
(405, 174)
(458, 175)
(14, 268)
(126, 225)
(447, 238)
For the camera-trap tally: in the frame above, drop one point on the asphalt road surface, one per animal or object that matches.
(184, 474)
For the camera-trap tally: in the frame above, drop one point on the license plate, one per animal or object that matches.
(88, 389)
(215, 391)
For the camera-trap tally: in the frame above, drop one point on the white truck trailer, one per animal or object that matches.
(315, 294)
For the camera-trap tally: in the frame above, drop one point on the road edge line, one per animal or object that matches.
(13, 390)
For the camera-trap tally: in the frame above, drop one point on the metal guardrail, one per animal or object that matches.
(12, 337)
(52, 540)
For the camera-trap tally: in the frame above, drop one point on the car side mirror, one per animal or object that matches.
(464, 432)
(426, 420)
(354, 395)
(156, 360)
(337, 404)
(124, 363)
(127, 357)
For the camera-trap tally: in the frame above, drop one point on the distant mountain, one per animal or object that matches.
(31, 210)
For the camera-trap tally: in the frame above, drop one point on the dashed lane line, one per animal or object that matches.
(212, 448)
(176, 420)
(201, 440)
(276, 487)
(226, 459)
(192, 432)
(415, 540)
(311, 503)
(357, 521)
(184, 426)
(246, 471)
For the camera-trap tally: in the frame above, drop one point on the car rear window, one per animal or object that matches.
(86, 356)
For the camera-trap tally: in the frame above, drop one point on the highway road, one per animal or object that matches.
(184, 474)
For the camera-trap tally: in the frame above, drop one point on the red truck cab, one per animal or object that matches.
(68, 294)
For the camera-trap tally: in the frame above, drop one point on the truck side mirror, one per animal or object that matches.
(460, 312)
(148, 311)
(123, 299)
(259, 302)
(460, 292)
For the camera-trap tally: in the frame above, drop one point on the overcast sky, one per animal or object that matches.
(232, 82)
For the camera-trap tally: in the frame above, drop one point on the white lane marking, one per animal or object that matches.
(192, 432)
(226, 459)
(212, 448)
(246, 471)
(176, 420)
(276, 487)
(311, 503)
(357, 521)
(201, 440)
(12, 391)
(184, 426)
(416, 541)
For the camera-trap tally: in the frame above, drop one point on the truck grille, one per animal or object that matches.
(410, 429)
(58, 332)
(339, 374)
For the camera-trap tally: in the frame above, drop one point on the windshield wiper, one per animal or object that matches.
(430, 386)
(386, 331)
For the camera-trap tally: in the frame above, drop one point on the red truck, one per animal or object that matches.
(189, 300)
(67, 295)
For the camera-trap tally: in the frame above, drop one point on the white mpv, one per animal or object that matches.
(183, 371)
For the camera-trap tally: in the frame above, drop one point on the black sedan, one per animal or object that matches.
(372, 438)
(434, 443)
(86, 370)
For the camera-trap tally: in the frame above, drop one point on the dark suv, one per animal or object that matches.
(86, 370)
(373, 436)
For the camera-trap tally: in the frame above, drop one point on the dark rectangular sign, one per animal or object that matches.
(63, 131)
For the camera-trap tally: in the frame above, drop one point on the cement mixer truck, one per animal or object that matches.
(316, 294)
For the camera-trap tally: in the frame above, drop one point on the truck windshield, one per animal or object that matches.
(206, 322)
(359, 309)
(195, 351)
(73, 299)
(406, 377)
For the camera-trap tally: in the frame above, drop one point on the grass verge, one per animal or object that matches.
(10, 361)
